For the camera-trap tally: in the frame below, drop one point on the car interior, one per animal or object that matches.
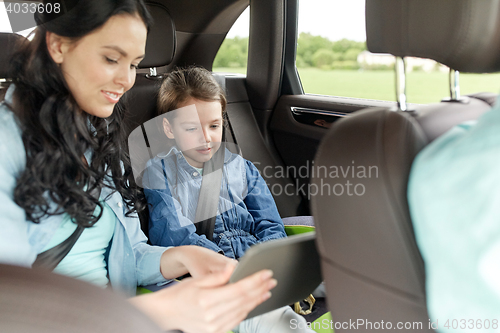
(370, 261)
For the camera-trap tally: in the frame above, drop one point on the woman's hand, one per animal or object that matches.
(196, 260)
(206, 304)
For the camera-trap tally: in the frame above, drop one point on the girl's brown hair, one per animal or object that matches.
(185, 83)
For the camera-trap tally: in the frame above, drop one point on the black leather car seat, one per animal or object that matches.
(370, 261)
(160, 50)
(8, 41)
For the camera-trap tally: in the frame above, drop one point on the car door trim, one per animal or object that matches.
(296, 110)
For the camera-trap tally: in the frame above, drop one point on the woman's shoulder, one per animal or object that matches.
(8, 120)
(11, 143)
(10, 132)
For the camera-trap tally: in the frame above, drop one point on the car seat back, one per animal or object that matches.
(371, 263)
(245, 133)
(8, 41)
(160, 49)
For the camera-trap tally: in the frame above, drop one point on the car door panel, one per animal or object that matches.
(296, 137)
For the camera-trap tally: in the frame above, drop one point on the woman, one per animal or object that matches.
(63, 165)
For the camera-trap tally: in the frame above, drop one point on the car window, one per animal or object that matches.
(332, 59)
(233, 54)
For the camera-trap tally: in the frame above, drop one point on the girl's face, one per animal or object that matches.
(197, 129)
(100, 67)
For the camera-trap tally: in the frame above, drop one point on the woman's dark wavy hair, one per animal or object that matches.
(57, 134)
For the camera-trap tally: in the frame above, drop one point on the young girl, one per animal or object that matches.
(64, 166)
(193, 106)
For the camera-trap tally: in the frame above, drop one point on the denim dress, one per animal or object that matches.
(246, 214)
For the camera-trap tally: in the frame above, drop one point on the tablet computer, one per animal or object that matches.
(296, 266)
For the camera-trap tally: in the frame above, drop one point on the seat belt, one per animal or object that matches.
(208, 199)
(50, 258)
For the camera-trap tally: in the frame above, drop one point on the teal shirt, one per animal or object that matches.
(454, 198)
(86, 259)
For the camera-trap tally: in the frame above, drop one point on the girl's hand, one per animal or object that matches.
(206, 304)
(200, 261)
(196, 260)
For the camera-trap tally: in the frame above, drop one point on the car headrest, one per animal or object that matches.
(8, 41)
(160, 45)
(461, 34)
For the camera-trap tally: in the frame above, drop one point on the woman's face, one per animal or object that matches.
(100, 67)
